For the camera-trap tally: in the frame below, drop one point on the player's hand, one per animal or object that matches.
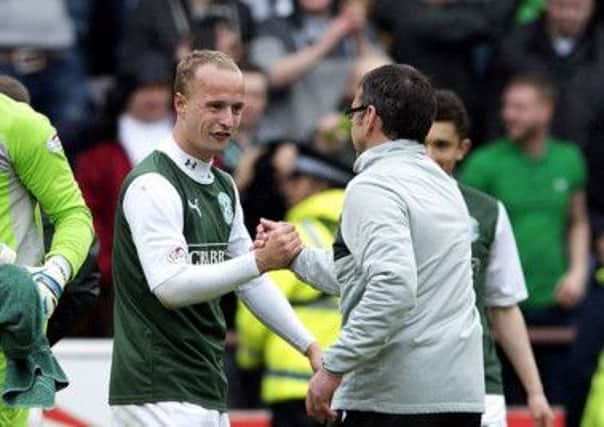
(320, 392)
(540, 410)
(260, 238)
(282, 245)
(315, 356)
(570, 289)
(50, 287)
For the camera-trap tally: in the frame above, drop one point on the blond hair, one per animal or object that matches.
(186, 68)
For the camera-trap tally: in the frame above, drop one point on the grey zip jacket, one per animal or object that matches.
(411, 340)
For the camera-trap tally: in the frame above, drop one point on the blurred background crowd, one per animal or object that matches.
(101, 71)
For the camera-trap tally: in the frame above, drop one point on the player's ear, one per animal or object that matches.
(180, 103)
(464, 147)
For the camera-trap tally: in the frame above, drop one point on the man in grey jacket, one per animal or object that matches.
(410, 349)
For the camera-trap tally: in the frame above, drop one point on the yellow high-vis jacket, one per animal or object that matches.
(287, 372)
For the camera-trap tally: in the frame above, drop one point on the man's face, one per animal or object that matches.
(150, 103)
(256, 89)
(211, 111)
(315, 6)
(525, 113)
(568, 18)
(358, 133)
(445, 146)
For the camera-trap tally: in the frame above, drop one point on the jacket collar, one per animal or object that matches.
(387, 149)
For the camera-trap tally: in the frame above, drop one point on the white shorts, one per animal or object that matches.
(167, 414)
(494, 411)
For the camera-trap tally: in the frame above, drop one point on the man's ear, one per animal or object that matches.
(464, 147)
(372, 118)
(180, 103)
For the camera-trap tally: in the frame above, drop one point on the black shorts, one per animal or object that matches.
(374, 419)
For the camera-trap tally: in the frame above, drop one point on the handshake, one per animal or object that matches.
(48, 279)
(276, 245)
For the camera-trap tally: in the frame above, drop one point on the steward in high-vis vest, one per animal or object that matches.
(315, 215)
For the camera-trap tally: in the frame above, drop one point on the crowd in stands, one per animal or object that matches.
(530, 70)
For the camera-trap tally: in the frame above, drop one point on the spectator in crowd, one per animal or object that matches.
(566, 44)
(314, 195)
(39, 49)
(144, 121)
(307, 57)
(332, 133)
(38, 176)
(173, 28)
(260, 179)
(450, 40)
(179, 245)
(541, 182)
(265, 9)
(498, 278)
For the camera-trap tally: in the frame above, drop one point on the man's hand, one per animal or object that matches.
(281, 246)
(320, 392)
(540, 410)
(315, 356)
(570, 289)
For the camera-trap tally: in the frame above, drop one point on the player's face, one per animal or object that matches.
(211, 111)
(445, 146)
(524, 114)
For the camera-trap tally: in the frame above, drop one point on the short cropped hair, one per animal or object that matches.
(450, 108)
(541, 83)
(14, 89)
(186, 68)
(403, 98)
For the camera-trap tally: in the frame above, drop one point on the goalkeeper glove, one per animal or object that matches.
(50, 281)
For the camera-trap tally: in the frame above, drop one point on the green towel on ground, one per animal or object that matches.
(33, 375)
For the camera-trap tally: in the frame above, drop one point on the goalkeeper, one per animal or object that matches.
(34, 173)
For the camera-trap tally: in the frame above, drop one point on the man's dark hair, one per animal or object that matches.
(450, 108)
(541, 83)
(403, 98)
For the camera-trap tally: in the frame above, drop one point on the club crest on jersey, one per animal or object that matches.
(53, 145)
(226, 206)
(178, 255)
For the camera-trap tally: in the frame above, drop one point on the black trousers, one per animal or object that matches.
(291, 413)
(373, 419)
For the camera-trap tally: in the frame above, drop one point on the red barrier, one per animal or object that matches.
(518, 416)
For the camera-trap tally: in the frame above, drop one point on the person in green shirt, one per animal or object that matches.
(498, 279)
(34, 174)
(541, 182)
